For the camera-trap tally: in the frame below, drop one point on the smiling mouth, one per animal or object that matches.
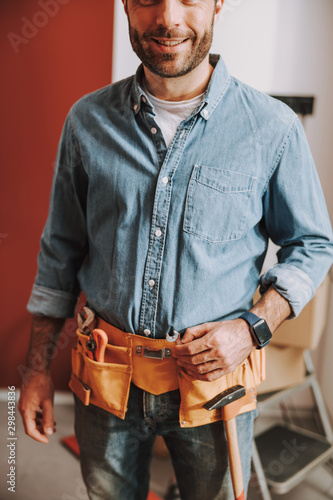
(169, 43)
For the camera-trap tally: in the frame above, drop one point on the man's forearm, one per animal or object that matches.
(273, 308)
(45, 332)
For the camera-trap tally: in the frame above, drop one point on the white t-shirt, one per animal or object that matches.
(169, 114)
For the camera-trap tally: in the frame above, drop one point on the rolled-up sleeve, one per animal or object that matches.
(53, 303)
(297, 220)
(64, 240)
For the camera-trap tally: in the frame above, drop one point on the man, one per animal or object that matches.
(167, 187)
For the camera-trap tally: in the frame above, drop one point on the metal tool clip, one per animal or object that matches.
(172, 336)
(145, 352)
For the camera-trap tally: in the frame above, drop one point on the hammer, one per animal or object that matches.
(231, 402)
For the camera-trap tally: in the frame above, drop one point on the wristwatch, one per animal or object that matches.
(259, 329)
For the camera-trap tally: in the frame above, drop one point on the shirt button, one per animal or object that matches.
(151, 283)
(153, 130)
(165, 180)
(158, 233)
(147, 332)
(136, 107)
(205, 112)
(144, 99)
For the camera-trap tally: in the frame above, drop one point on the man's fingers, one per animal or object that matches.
(191, 348)
(31, 429)
(195, 332)
(48, 417)
(202, 357)
(193, 340)
(39, 422)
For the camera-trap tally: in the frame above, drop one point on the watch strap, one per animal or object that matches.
(250, 318)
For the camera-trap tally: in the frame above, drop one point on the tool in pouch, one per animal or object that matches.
(98, 339)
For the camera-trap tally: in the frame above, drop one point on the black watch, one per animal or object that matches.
(259, 329)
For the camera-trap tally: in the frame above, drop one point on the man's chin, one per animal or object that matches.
(169, 68)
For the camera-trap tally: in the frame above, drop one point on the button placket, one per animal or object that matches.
(159, 222)
(156, 243)
(155, 256)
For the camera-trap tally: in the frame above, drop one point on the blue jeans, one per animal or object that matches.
(116, 454)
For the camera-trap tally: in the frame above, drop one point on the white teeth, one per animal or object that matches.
(169, 43)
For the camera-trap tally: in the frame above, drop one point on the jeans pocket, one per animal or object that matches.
(217, 203)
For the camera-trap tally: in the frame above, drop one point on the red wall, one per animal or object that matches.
(52, 53)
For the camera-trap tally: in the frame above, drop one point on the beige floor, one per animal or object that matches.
(50, 472)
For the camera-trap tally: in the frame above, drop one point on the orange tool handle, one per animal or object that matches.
(234, 459)
(101, 339)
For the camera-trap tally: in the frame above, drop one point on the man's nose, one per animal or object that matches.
(169, 14)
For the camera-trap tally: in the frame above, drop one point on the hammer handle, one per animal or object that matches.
(234, 459)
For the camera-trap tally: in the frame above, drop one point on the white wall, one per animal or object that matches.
(246, 37)
(125, 61)
(278, 46)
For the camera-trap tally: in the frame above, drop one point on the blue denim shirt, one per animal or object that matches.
(160, 238)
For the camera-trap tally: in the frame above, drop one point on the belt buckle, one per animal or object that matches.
(145, 352)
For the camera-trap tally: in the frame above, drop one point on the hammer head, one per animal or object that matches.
(224, 398)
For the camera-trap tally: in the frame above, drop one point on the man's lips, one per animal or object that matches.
(169, 44)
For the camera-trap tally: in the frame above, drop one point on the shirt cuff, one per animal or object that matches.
(53, 303)
(291, 282)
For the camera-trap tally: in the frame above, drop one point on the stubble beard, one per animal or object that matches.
(161, 64)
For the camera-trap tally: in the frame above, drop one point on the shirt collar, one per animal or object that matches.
(138, 95)
(216, 89)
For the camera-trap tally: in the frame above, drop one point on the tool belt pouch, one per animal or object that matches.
(195, 393)
(105, 384)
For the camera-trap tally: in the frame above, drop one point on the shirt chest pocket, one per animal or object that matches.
(217, 204)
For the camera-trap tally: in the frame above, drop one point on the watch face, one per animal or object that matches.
(262, 332)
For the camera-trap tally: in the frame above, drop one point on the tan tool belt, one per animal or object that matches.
(148, 364)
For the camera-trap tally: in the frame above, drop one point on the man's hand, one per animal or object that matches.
(36, 406)
(212, 350)
(209, 351)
